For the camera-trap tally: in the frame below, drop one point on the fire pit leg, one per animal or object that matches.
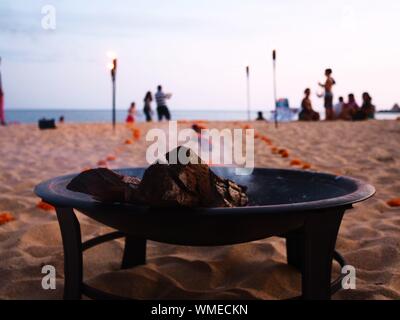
(320, 233)
(72, 243)
(134, 252)
(311, 248)
(294, 242)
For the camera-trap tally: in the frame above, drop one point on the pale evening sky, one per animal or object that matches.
(198, 51)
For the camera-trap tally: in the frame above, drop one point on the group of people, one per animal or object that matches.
(162, 108)
(349, 110)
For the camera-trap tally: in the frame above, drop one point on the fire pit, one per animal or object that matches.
(304, 207)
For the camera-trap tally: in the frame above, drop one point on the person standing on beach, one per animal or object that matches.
(147, 106)
(162, 109)
(2, 117)
(328, 95)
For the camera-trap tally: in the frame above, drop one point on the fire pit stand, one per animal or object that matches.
(304, 207)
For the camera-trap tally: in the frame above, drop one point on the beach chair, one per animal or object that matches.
(283, 110)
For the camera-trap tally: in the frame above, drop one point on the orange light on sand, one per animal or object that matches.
(128, 141)
(111, 157)
(306, 166)
(45, 206)
(6, 217)
(136, 134)
(394, 202)
(295, 162)
(285, 154)
(266, 140)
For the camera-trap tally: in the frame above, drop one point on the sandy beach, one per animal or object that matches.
(369, 236)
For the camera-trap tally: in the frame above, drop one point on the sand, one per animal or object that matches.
(369, 236)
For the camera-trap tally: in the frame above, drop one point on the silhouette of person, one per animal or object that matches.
(307, 113)
(131, 113)
(260, 116)
(328, 95)
(148, 99)
(338, 107)
(162, 109)
(367, 110)
(350, 108)
(2, 116)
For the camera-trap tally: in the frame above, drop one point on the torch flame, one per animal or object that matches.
(110, 65)
(112, 55)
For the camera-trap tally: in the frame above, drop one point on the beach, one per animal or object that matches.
(369, 237)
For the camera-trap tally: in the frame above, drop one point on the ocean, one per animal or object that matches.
(33, 115)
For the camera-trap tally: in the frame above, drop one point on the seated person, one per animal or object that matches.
(260, 116)
(349, 109)
(367, 110)
(307, 113)
(131, 113)
(337, 108)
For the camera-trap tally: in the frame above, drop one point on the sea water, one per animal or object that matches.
(33, 115)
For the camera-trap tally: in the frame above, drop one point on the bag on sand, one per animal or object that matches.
(47, 124)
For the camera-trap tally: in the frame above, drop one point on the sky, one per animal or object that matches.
(198, 51)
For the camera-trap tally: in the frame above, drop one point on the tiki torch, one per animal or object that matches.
(274, 83)
(113, 68)
(248, 92)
